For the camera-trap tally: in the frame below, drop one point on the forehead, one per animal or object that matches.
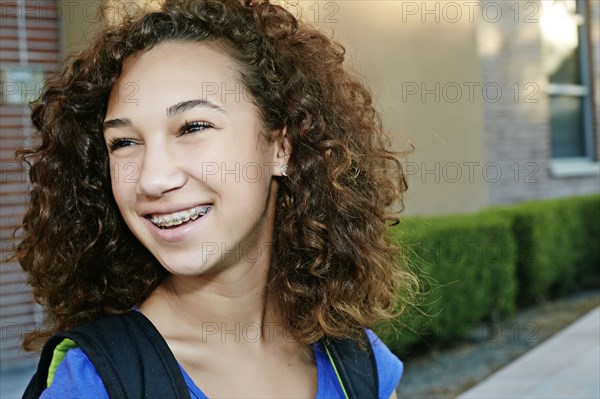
(174, 70)
(203, 57)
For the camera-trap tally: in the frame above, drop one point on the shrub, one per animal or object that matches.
(469, 260)
(588, 253)
(555, 244)
(477, 267)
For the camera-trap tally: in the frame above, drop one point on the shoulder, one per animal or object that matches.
(75, 377)
(389, 367)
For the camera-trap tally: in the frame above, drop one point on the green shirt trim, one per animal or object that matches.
(58, 356)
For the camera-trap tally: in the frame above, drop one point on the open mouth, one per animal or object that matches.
(177, 219)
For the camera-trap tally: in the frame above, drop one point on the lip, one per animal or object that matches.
(166, 210)
(178, 233)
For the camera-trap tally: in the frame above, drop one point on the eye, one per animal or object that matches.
(194, 127)
(119, 142)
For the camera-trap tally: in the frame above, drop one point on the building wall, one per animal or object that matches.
(518, 126)
(421, 61)
(79, 23)
(32, 38)
(594, 35)
(29, 36)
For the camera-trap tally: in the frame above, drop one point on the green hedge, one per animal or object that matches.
(478, 267)
(467, 265)
(557, 244)
(588, 259)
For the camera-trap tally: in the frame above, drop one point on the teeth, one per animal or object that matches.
(180, 217)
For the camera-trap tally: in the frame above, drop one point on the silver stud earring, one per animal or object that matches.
(284, 169)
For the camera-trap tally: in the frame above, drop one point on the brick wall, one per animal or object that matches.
(518, 123)
(594, 32)
(29, 36)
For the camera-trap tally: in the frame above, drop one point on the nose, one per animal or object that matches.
(160, 171)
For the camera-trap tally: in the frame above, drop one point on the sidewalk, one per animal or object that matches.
(14, 381)
(565, 366)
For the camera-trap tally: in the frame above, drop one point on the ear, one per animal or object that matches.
(283, 150)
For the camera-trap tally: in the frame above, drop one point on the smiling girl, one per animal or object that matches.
(236, 198)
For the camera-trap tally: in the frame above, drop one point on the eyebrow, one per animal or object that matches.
(183, 106)
(172, 111)
(115, 123)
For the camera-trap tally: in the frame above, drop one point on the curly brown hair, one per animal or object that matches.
(333, 266)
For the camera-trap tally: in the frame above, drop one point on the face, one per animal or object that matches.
(192, 173)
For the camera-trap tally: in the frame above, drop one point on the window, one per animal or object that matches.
(566, 63)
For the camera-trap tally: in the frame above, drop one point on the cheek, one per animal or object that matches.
(120, 183)
(251, 191)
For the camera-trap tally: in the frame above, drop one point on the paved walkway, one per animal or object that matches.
(565, 366)
(14, 381)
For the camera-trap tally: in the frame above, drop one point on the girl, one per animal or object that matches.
(213, 166)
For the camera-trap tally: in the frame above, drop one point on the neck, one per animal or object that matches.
(218, 305)
(238, 296)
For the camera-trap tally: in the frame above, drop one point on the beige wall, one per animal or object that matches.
(79, 22)
(397, 48)
(395, 51)
(81, 19)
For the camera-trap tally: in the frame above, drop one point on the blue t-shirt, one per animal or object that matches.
(76, 376)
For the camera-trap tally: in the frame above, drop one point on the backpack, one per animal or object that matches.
(134, 361)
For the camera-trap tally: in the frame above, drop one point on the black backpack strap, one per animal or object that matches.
(129, 354)
(37, 384)
(356, 369)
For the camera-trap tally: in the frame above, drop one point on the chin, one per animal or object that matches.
(186, 271)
